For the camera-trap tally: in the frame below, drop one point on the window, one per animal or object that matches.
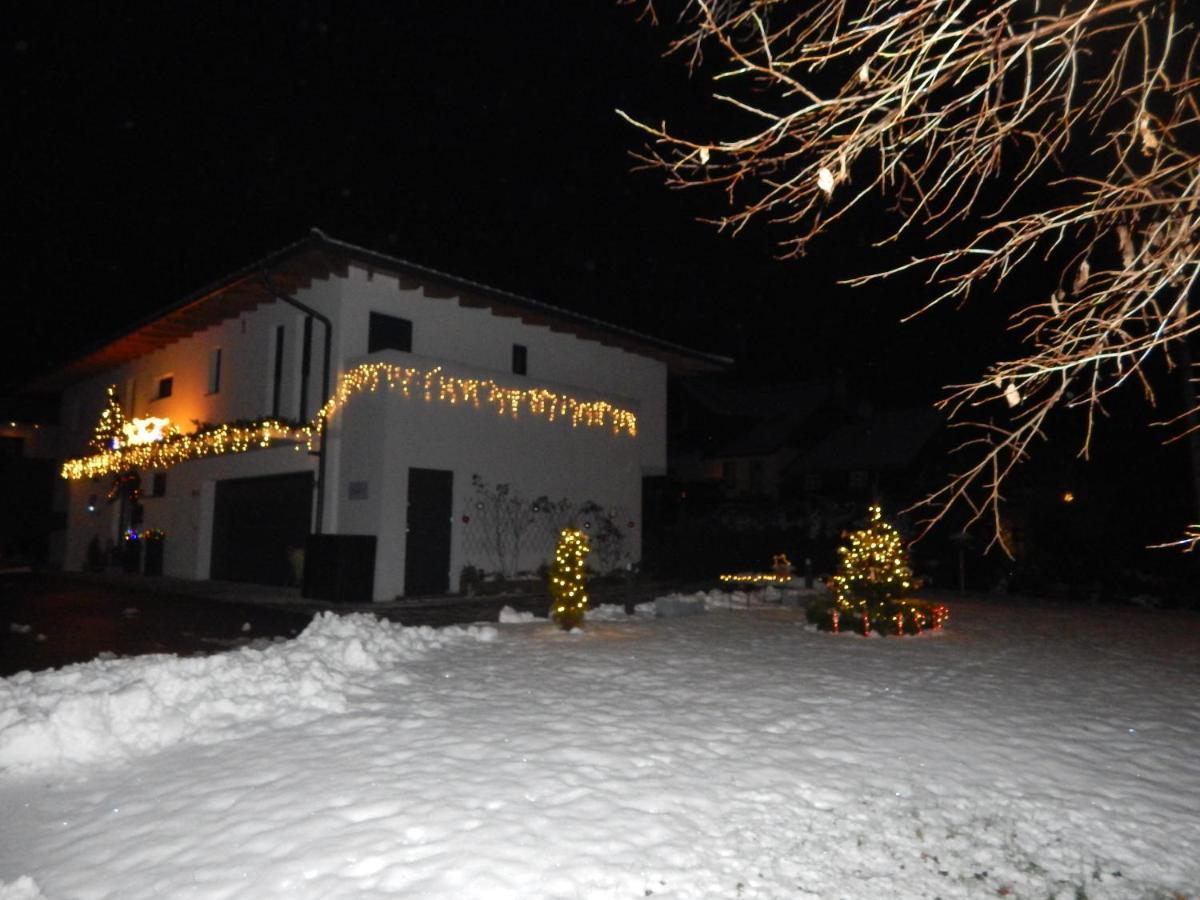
(277, 377)
(158, 484)
(858, 479)
(756, 476)
(12, 446)
(166, 384)
(812, 481)
(214, 371)
(729, 473)
(389, 333)
(520, 359)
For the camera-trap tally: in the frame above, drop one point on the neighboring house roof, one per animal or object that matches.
(886, 440)
(765, 438)
(759, 420)
(318, 257)
(725, 399)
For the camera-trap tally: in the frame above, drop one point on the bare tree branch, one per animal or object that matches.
(939, 107)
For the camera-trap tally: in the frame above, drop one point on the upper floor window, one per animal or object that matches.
(12, 446)
(214, 370)
(520, 359)
(858, 479)
(756, 476)
(389, 333)
(158, 484)
(166, 384)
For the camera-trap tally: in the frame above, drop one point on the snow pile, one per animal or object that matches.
(603, 612)
(24, 888)
(1028, 752)
(110, 710)
(612, 612)
(510, 616)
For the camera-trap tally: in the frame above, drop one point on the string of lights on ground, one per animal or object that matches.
(157, 443)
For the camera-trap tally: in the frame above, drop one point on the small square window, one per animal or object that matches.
(166, 384)
(812, 481)
(520, 359)
(12, 446)
(158, 484)
(858, 479)
(389, 333)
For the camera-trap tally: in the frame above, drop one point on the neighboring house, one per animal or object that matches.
(742, 438)
(31, 510)
(881, 455)
(433, 380)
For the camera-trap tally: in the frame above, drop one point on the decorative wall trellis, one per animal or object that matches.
(504, 532)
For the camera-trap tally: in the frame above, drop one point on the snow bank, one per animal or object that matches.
(510, 616)
(1029, 752)
(24, 888)
(110, 710)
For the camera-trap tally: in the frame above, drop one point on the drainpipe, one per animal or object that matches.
(309, 311)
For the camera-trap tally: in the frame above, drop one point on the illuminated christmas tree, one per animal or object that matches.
(872, 583)
(568, 580)
(109, 433)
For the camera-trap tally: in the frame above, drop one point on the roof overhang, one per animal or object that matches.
(319, 257)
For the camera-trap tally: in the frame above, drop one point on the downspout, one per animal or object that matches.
(309, 311)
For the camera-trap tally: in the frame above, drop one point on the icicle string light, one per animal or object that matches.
(171, 446)
(434, 384)
(176, 447)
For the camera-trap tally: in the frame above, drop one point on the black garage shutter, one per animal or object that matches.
(257, 524)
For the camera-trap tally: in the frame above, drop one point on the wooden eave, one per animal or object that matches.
(317, 258)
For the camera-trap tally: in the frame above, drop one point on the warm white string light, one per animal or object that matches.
(169, 445)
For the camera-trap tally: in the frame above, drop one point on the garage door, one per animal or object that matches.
(257, 522)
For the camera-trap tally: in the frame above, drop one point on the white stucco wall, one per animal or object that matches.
(445, 330)
(385, 434)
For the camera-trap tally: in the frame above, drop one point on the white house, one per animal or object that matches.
(409, 418)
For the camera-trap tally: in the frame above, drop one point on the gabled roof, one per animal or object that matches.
(885, 440)
(759, 401)
(741, 420)
(319, 257)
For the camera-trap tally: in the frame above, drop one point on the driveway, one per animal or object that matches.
(48, 621)
(52, 620)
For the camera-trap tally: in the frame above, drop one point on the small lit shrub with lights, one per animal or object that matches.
(872, 588)
(568, 580)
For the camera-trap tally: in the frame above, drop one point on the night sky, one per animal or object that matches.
(156, 147)
(153, 148)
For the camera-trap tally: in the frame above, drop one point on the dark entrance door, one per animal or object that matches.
(256, 522)
(427, 544)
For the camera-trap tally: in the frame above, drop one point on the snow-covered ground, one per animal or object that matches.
(1021, 752)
